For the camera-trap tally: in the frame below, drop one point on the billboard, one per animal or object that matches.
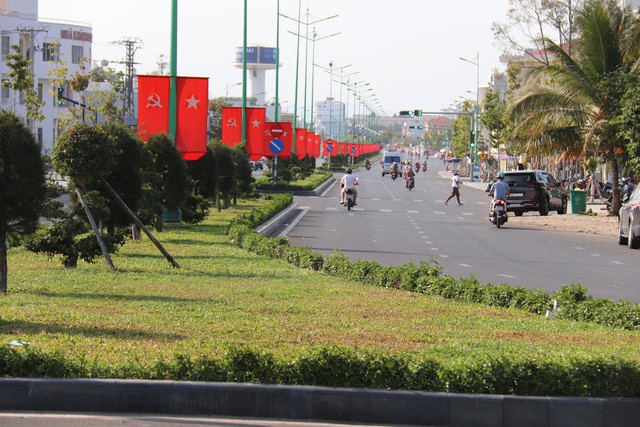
(257, 55)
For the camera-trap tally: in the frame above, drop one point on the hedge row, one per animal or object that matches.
(311, 183)
(573, 301)
(342, 367)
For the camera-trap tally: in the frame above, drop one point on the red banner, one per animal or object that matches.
(311, 138)
(231, 125)
(255, 131)
(153, 105)
(301, 143)
(193, 108)
(282, 131)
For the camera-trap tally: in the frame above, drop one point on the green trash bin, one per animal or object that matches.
(578, 201)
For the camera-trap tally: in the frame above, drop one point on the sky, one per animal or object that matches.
(408, 51)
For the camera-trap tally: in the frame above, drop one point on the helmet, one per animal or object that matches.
(409, 167)
(500, 174)
(349, 171)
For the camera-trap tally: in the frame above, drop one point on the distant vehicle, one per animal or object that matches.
(629, 221)
(387, 159)
(535, 190)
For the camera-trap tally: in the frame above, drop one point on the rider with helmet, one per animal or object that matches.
(499, 190)
(348, 181)
(409, 175)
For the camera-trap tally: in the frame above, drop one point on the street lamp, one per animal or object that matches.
(476, 111)
(226, 88)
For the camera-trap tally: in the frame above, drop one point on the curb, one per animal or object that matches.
(323, 404)
(269, 227)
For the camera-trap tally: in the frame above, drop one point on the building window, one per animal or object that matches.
(6, 45)
(50, 52)
(5, 90)
(40, 91)
(77, 53)
(40, 136)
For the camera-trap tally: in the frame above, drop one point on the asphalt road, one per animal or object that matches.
(394, 226)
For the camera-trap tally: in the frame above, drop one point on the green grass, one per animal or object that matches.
(224, 296)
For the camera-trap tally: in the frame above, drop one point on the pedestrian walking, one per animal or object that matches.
(455, 189)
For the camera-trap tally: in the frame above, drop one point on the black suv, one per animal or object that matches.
(535, 190)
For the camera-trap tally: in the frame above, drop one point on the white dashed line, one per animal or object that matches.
(578, 248)
(385, 210)
(329, 208)
(467, 213)
(464, 265)
(435, 249)
(444, 256)
(596, 255)
(413, 212)
(424, 237)
(508, 276)
(439, 212)
(617, 262)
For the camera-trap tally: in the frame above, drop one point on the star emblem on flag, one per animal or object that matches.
(192, 102)
(255, 123)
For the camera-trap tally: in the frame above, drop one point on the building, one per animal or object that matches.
(330, 120)
(45, 42)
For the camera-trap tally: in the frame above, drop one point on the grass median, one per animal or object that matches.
(226, 297)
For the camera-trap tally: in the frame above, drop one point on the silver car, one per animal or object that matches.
(629, 221)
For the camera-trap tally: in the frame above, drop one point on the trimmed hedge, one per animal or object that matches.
(310, 183)
(343, 367)
(427, 278)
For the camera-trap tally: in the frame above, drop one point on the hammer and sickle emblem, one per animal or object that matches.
(153, 101)
(232, 122)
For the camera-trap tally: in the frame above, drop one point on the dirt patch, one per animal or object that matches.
(599, 224)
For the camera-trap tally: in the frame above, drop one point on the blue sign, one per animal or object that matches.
(353, 150)
(276, 146)
(329, 148)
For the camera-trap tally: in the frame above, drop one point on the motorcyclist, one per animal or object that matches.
(424, 165)
(499, 190)
(367, 164)
(394, 167)
(409, 175)
(348, 182)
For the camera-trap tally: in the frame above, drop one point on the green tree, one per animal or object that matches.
(22, 184)
(166, 178)
(460, 142)
(215, 119)
(571, 102)
(492, 117)
(21, 80)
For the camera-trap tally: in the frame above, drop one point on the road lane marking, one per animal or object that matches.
(385, 210)
(596, 255)
(439, 212)
(444, 256)
(617, 262)
(464, 265)
(376, 198)
(435, 249)
(418, 200)
(413, 212)
(424, 237)
(507, 276)
(329, 208)
(468, 213)
(578, 248)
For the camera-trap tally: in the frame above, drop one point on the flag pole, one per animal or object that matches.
(173, 90)
(244, 77)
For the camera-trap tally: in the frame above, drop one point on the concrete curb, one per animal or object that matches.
(269, 227)
(312, 403)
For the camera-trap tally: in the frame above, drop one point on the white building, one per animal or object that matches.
(37, 37)
(330, 119)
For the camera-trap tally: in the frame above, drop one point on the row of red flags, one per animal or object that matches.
(191, 126)
(260, 135)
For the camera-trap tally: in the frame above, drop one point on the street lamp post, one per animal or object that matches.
(226, 88)
(476, 112)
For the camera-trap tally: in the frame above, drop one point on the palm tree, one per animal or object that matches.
(568, 105)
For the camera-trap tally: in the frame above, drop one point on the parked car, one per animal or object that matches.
(535, 190)
(629, 221)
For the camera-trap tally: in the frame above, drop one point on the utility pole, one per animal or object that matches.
(131, 44)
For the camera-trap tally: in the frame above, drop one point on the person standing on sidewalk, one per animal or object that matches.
(455, 189)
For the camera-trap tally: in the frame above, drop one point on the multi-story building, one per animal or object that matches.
(45, 42)
(330, 119)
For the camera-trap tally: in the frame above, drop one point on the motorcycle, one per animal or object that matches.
(350, 198)
(394, 174)
(368, 166)
(499, 213)
(410, 183)
(424, 167)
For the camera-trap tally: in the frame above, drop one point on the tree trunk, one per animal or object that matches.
(94, 227)
(135, 232)
(615, 188)
(139, 223)
(4, 265)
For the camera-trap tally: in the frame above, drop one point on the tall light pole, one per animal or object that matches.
(330, 70)
(226, 88)
(476, 112)
(306, 37)
(343, 114)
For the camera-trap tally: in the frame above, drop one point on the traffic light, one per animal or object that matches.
(406, 113)
(419, 127)
(417, 113)
(60, 93)
(472, 139)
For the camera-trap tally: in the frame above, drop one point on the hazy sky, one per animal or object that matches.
(408, 51)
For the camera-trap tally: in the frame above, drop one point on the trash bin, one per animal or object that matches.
(578, 201)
